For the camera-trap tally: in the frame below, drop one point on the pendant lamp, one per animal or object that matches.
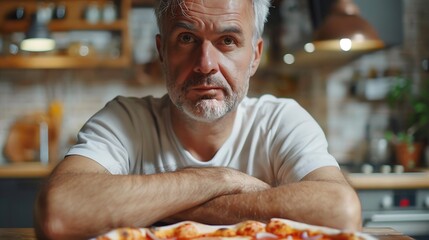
(345, 30)
(38, 37)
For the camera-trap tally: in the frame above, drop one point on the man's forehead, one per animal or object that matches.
(217, 28)
(213, 7)
(219, 16)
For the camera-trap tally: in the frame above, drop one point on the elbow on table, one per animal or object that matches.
(49, 223)
(49, 228)
(350, 209)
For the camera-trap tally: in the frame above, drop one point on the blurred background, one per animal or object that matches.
(361, 68)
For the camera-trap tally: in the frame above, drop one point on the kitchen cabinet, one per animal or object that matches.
(17, 198)
(19, 185)
(397, 200)
(76, 19)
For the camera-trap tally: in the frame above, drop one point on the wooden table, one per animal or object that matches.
(28, 234)
(383, 234)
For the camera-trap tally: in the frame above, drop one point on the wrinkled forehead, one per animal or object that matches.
(215, 6)
(221, 9)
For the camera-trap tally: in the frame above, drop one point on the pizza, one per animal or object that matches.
(275, 229)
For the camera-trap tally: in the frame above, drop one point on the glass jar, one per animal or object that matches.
(109, 12)
(81, 49)
(60, 11)
(92, 13)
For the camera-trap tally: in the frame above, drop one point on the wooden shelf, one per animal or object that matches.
(61, 62)
(60, 26)
(74, 21)
(143, 3)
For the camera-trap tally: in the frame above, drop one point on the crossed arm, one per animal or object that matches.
(81, 200)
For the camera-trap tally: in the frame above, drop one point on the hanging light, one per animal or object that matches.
(344, 29)
(38, 37)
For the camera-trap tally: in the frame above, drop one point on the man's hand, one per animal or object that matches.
(207, 195)
(82, 200)
(246, 183)
(210, 212)
(323, 197)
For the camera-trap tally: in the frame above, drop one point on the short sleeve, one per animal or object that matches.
(299, 145)
(102, 138)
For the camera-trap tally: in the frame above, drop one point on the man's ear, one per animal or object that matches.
(159, 47)
(257, 54)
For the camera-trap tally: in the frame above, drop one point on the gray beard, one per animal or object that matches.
(206, 108)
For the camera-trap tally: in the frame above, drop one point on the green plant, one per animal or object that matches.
(409, 104)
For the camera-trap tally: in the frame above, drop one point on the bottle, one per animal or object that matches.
(109, 12)
(60, 12)
(92, 13)
(16, 14)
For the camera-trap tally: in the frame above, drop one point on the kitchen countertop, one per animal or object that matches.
(25, 170)
(407, 180)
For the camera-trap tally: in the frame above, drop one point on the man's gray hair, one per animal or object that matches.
(260, 10)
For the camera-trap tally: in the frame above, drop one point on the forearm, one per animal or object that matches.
(315, 202)
(331, 204)
(90, 203)
(227, 209)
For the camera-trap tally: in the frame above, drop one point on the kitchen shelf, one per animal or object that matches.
(61, 26)
(60, 62)
(143, 3)
(73, 22)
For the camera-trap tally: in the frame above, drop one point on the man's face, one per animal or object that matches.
(208, 57)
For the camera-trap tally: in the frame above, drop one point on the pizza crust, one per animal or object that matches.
(276, 229)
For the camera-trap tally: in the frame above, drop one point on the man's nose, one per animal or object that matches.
(207, 59)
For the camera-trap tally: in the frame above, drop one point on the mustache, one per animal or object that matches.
(198, 80)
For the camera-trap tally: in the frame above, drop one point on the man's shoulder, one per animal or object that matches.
(147, 100)
(126, 103)
(267, 102)
(268, 108)
(134, 107)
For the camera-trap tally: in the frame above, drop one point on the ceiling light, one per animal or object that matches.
(38, 38)
(289, 58)
(309, 47)
(346, 44)
(344, 22)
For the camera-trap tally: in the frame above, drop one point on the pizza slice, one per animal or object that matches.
(192, 230)
(275, 229)
(287, 229)
(185, 230)
(126, 234)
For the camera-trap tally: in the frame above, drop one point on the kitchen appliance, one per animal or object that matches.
(405, 209)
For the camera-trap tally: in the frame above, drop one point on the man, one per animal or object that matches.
(204, 152)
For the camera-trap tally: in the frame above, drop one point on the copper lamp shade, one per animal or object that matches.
(344, 29)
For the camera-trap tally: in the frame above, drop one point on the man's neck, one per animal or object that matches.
(201, 139)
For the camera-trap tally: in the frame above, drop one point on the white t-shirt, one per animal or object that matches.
(273, 139)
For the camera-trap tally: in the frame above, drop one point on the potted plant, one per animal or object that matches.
(409, 125)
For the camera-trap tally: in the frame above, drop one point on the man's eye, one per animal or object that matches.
(186, 38)
(228, 41)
